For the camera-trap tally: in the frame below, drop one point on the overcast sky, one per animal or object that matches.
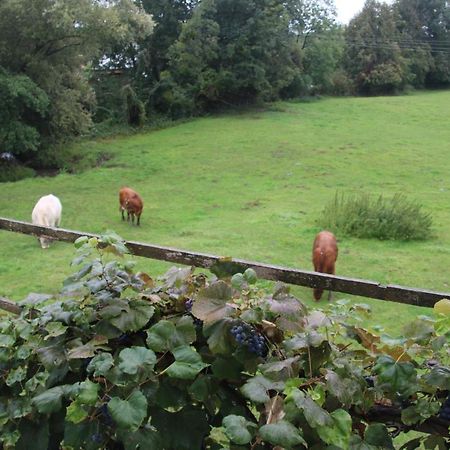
(346, 9)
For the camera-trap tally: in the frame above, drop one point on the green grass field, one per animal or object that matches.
(252, 185)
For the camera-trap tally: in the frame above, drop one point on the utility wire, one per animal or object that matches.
(387, 44)
(390, 45)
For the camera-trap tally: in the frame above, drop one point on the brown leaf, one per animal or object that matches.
(397, 353)
(367, 339)
(146, 279)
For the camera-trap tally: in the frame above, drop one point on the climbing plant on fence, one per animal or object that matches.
(121, 361)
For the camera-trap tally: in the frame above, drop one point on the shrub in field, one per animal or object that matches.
(365, 216)
(15, 172)
(123, 362)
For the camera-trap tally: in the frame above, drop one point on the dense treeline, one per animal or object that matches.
(65, 65)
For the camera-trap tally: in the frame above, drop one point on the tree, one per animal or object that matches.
(425, 38)
(53, 43)
(309, 17)
(22, 105)
(231, 52)
(322, 60)
(373, 56)
(169, 16)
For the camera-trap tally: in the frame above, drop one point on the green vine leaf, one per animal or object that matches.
(345, 389)
(377, 436)
(133, 359)
(159, 336)
(218, 334)
(440, 377)
(139, 313)
(257, 388)
(283, 434)
(129, 413)
(86, 392)
(314, 414)
(6, 341)
(304, 340)
(396, 377)
(167, 335)
(100, 364)
(54, 329)
(51, 400)
(188, 363)
(339, 432)
(420, 411)
(238, 429)
(16, 375)
(76, 413)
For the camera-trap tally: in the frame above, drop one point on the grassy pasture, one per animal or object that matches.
(251, 185)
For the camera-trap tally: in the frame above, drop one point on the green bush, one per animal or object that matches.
(365, 216)
(120, 362)
(15, 172)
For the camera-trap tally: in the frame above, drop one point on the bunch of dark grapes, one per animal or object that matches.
(124, 339)
(444, 413)
(105, 417)
(370, 381)
(188, 304)
(97, 438)
(247, 336)
(85, 362)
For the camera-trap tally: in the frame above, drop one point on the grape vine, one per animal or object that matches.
(120, 361)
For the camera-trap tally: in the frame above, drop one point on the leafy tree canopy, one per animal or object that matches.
(53, 43)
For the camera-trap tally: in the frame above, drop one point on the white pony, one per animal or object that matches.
(47, 213)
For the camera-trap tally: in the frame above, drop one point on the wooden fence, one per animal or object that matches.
(364, 288)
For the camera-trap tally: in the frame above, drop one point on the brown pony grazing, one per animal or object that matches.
(131, 202)
(324, 255)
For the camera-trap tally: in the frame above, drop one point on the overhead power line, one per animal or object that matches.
(443, 47)
(390, 45)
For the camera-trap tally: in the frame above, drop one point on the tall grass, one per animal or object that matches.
(366, 216)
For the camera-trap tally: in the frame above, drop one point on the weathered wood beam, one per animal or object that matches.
(364, 288)
(8, 305)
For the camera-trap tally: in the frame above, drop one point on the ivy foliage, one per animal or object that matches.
(120, 360)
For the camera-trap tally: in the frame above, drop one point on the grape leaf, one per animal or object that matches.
(283, 434)
(256, 388)
(314, 414)
(50, 400)
(188, 363)
(165, 335)
(211, 303)
(237, 429)
(76, 413)
(396, 377)
(339, 432)
(130, 413)
(100, 364)
(135, 358)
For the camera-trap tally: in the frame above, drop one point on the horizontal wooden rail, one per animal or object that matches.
(8, 305)
(364, 288)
